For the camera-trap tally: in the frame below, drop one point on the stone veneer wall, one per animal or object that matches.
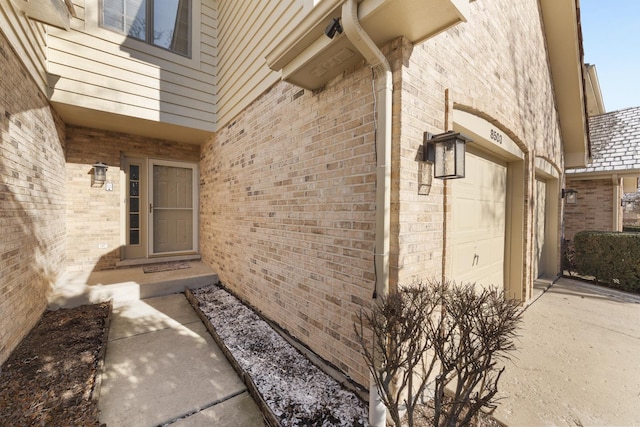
(32, 211)
(93, 213)
(288, 187)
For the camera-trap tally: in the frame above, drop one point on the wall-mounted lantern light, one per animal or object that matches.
(628, 204)
(570, 196)
(446, 151)
(99, 173)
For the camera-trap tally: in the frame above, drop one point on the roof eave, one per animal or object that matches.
(56, 13)
(308, 58)
(564, 42)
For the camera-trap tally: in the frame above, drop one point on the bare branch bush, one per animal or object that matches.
(477, 330)
(467, 330)
(396, 359)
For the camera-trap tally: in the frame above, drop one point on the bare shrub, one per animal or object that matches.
(446, 336)
(396, 358)
(568, 257)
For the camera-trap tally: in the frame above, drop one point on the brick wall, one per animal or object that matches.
(631, 214)
(288, 190)
(593, 209)
(494, 67)
(94, 213)
(288, 211)
(32, 214)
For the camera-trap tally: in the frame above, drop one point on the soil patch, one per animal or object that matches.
(52, 377)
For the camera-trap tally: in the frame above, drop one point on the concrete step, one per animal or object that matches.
(126, 284)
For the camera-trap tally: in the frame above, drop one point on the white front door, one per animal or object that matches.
(173, 208)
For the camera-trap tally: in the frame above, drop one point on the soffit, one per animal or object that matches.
(308, 58)
(52, 12)
(85, 117)
(564, 43)
(595, 103)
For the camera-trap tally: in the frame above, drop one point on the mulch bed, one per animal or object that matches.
(52, 378)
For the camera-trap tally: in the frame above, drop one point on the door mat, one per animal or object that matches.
(166, 267)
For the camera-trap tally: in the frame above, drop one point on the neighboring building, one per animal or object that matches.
(631, 209)
(613, 171)
(298, 166)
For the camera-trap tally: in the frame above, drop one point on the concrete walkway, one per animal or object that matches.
(576, 365)
(577, 362)
(163, 368)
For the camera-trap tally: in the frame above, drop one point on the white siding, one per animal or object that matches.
(99, 69)
(27, 38)
(248, 30)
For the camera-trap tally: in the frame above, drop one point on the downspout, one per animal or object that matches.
(384, 92)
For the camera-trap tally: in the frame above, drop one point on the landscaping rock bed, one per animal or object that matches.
(294, 390)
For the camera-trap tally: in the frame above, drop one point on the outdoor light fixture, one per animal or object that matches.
(334, 27)
(446, 151)
(570, 196)
(99, 173)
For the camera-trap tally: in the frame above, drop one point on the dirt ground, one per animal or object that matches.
(52, 377)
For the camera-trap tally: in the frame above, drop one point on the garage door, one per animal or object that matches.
(539, 229)
(477, 228)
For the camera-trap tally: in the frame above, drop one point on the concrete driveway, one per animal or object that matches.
(578, 360)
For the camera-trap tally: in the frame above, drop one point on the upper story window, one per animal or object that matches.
(163, 23)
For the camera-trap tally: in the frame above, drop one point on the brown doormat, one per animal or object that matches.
(166, 267)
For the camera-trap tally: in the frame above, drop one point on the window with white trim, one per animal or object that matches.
(162, 23)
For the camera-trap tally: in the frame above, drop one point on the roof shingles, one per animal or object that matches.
(615, 142)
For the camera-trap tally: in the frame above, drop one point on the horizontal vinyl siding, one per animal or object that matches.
(249, 30)
(102, 70)
(27, 37)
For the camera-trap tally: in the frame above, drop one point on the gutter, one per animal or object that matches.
(383, 95)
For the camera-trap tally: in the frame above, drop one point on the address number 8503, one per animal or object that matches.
(496, 136)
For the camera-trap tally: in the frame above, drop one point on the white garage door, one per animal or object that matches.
(539, 229)
(477, 228)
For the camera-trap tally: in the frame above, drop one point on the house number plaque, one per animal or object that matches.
(495, 136)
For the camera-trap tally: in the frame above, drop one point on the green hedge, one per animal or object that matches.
(612, 258)
(631, 228)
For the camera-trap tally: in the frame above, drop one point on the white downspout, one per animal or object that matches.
(384, 92)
